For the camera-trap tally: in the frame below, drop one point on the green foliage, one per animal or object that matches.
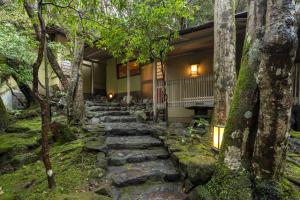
(17, 44)
(141, 29)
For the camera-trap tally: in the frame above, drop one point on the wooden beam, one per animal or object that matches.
(128, 83)
(154, 93)
(92, 79)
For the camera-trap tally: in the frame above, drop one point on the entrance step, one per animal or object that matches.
(127, 129)
(92, 114)
(105, 108)
(132, 142)
(136, 173)
(152, 191)
(110, 119)
(121, 157)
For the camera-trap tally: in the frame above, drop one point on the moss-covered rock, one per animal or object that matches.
(28, 113)
(225, 185)
(4, 119)
(24, 159)
(61, 132)
(282, 190)
(83, 196)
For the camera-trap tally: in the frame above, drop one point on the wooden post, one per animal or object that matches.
(154, 93)
(128, 84)
(92, 79)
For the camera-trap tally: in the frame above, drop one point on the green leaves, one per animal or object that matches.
(141, 29)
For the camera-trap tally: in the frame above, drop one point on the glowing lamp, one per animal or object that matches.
(194, 70)
(110, 95)
(218, 136)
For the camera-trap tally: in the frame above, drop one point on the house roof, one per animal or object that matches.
(195, 38)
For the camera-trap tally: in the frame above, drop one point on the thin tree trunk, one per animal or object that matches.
(75, 100)
(275, 85)
(41, 38)
(224, 58)
(57, 69)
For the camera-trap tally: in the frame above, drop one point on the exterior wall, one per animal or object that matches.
(178, 67)
(99, 79)
(119, 86)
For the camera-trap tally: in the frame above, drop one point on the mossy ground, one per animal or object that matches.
(295, 134)
(72, 166)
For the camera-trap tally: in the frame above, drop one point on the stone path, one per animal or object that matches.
(139, 167)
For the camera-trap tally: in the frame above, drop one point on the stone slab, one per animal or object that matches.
(120, 157)
(136, 173)
(132, 142)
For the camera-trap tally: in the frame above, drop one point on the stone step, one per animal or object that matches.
(99, 103)
(153, 191)
(105, 108)
(127, 129)
(132, 142)
(92, 114)
(120, 157)
(110, 119)
(136, 173)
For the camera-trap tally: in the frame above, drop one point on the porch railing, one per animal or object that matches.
(296, 84)
(186, 92)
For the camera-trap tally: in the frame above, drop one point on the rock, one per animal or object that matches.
(110, 119)
(127, 129)
(96, 173)
(104, 190)
(15, 129)
(82, 196)
(61, 132)
(95, 146)
(132, 142)
(23, 159)
(101, 160)
(153, 191)
(94, 120)
(199, 169)
(120, 157)
(136, 173)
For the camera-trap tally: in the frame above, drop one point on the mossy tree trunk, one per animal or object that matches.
(75, 100)
(278, 52)
(3, 116)
(224, 58)
(241, 126)
(256, 131)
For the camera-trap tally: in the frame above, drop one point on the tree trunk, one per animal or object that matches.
(45, 111)
(40, 33)
(75, 100)
(241, 126)
(26, 91)
(57, 69)
(224, 58)
(275, 85)
(3, 116)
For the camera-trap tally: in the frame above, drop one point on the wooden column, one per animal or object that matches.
(128, 84)
(154, 93)
(92, 79)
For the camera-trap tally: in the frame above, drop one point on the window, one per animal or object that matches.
(122, 69)
(66, 67)
(159, 74)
